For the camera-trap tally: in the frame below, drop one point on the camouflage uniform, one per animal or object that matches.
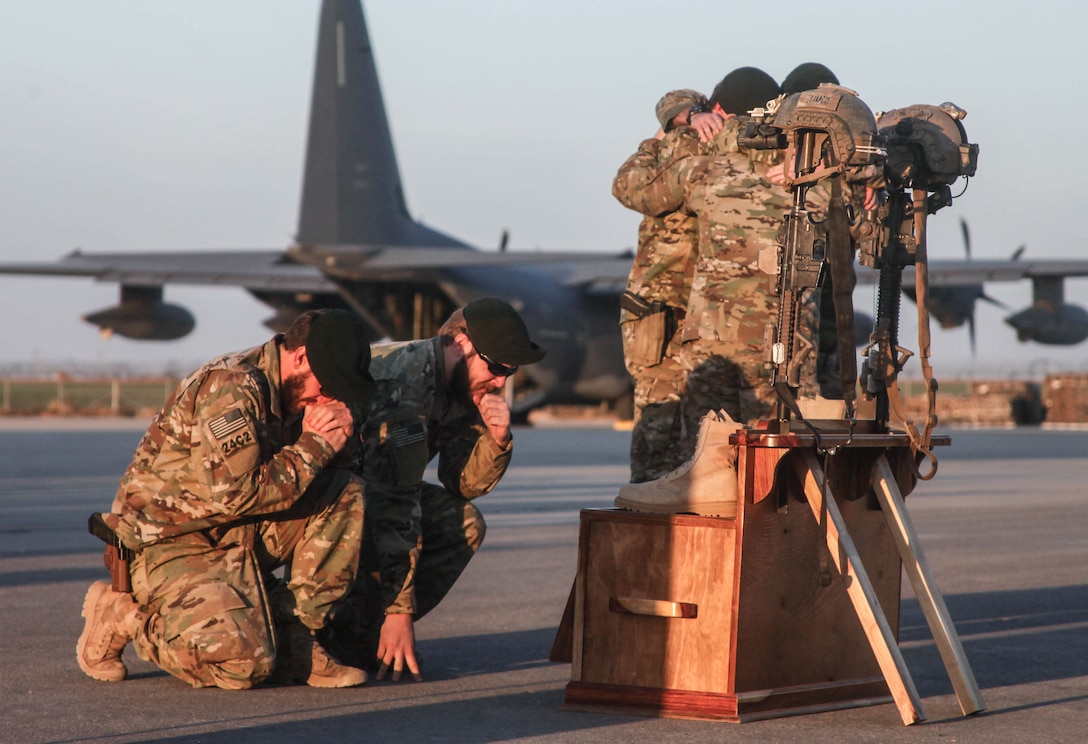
(661, 274)
(419, 536)
(739, 212)
(222, 491)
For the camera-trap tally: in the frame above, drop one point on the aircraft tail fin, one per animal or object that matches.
(352, 192)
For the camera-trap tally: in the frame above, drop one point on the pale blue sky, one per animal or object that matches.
(157, 125)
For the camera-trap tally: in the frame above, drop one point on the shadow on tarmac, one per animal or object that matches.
(470, 721)
(1011, 638)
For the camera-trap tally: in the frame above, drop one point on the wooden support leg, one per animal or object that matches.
(861, 592)
(925, 587)
(563, 646)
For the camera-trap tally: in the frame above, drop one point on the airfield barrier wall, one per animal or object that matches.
(1066, 398)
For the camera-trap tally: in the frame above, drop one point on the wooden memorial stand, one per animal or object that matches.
(768, 614)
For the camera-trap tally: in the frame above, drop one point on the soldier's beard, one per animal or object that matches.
(459, 389)
(291, 394)
(462, 389)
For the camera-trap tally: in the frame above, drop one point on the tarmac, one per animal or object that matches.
(1003, 524)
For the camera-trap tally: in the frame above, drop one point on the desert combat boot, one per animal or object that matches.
(705, 485)
(113, 619)
(301, 658)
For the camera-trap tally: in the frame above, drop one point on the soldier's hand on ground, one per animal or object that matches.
(707, 125)
(330, 421)
(496, 415)
(397, 647)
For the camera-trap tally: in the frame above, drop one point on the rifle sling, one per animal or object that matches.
(842, 288)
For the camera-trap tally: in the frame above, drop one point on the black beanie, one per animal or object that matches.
(339, 353)
(498, 332)
(744, 89)
(807, 76)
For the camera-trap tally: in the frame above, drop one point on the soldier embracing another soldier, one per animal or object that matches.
(710, 207)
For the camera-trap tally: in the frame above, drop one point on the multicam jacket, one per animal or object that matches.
(411, 419)
(216, 455)
(665, 259)
(738, 212)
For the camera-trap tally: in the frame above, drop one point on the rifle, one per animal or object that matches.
(833, 136)
(927, 152)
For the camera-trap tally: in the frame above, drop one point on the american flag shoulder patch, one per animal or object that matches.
(407, 434)
(228, 423)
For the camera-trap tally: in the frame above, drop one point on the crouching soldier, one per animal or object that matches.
(441, 397)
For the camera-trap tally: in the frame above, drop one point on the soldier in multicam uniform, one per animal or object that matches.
(738, 213)
(658, 287)
(732, 300)
(438, 396)
(232, 480)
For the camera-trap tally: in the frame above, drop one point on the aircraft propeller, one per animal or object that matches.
(977, 290)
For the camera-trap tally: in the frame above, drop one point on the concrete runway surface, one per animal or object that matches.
(1004, 525)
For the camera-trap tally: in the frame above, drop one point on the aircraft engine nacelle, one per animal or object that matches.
(142, 315)
(1042, 323)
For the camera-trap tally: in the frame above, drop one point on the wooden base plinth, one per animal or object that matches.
(705, 706)
(733, 619)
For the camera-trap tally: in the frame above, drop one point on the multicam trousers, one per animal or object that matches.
(209, 618)
(452, 531)
(658, 389)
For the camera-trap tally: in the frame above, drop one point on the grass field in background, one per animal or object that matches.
(88, 396)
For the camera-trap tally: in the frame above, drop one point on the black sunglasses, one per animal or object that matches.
(499, 370)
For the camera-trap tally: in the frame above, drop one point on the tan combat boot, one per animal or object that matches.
(706, 484)
(113, 619)
(301, 658)
(821, 408)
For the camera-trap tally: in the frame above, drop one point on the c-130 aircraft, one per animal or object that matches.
(358, 248)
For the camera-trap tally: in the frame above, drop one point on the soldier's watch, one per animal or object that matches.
(696, 109)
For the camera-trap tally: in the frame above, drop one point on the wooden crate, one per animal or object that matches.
(731, 619)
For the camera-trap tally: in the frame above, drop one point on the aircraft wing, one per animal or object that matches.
(259, 270)
(602, 275)
(311, 269)
(597, 273)
(943, 273)
(396, 263)
(315, 269)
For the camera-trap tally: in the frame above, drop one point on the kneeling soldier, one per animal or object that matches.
(231, 481)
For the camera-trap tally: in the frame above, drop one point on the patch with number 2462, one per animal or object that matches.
(237, 442)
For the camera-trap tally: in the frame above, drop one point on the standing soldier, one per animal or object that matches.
(739, 211)
(231, 481)
(657, 293)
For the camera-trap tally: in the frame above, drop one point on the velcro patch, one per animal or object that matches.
(228, 423)
(408, 434)
(234, 434)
